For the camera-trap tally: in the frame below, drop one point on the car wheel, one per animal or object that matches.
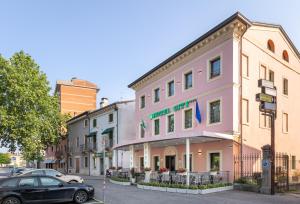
(11, 200)
(80, 197)
(73, 181)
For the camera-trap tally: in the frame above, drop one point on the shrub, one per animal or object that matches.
(114, 178)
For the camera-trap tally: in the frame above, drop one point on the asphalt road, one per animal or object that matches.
(116, 194)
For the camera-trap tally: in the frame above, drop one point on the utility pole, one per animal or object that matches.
(268, 105)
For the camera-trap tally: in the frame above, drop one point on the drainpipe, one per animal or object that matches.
(89, 145)
(241, 100)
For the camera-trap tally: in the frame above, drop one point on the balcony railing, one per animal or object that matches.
(90, 147)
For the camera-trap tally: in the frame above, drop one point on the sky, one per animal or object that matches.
(112, 43)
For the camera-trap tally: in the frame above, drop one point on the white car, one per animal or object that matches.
(54, 173)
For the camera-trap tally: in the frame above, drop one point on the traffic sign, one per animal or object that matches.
(265, 106)
(264, 97)
(269, 91)
(265, 83)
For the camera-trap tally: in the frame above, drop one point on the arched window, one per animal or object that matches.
(285, 55)
(271, 45)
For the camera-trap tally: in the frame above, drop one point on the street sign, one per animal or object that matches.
(269, 91)
(265, 83)
(264, 97)
(265, 106)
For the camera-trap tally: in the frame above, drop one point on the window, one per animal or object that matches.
(245, 111)
(170, 121)
(245, 65)
(85, 123)
(188, 80)
(285, 122)
(28, 182)
(77, 141)
(214, 161)
(263, 72)
(52, 173)
(191, 163)
(271, 45)
(271, 76)
(86, 162)
(95, 122)
(110, 117)
(285, 55)
(70, 162)
(156, 127)
(293, 162)
(46, 181)
(188, 121)
(285, 86)
(11, 183)
(142, 131)
(156, 95)
(142, 102)
(214, 112)
(265, 121)
(215, 68)
(171, 88)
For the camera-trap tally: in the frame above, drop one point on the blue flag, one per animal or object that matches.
(198, 114)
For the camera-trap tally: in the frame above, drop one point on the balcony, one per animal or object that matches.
(90, 147)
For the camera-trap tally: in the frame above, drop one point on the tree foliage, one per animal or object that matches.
(30, 118)
(5, 158)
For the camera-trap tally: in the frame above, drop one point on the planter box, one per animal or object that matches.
(172, 190)
(120, 183)
(180, 190)
(140, 186)
(147, 187)
(192, 191)
(246, 187)
(157, 188)
(214, 190)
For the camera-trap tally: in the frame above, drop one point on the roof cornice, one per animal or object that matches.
(236, 23)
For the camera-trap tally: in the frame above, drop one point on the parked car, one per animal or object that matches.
(54, 173)
(42, 189)
(4, 172)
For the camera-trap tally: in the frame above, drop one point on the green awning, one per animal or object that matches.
(108, 130)
(92, 134)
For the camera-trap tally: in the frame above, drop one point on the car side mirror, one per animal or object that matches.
(58, 175)
(61, 185)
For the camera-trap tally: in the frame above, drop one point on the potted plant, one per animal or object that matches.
(147, 174)
(132, 175)
(164, 170)
(181, 171)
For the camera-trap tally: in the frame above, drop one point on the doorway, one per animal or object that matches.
(77, 165)
(170, 162)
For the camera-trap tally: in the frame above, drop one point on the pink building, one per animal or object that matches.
(219, 71)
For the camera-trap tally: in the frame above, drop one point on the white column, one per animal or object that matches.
(147, 157)
(115, 158)
(131, 157)
(187, 158)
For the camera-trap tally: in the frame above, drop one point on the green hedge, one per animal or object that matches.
(182, 186)
(114, 178)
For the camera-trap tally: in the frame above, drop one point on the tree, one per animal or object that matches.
(4, 158)
(30, 118)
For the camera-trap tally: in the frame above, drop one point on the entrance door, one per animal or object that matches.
(101, 166)
(170, 163)
(77, 165)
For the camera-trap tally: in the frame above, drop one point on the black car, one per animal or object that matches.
(42, 189)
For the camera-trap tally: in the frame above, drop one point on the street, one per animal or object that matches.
(116, 194)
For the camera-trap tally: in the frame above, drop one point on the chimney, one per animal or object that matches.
(104, 102)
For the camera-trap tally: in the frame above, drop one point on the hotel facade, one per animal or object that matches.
(201, 101)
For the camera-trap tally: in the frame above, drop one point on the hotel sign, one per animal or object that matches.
(175, 108)
(267, 97)
(264, 97)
